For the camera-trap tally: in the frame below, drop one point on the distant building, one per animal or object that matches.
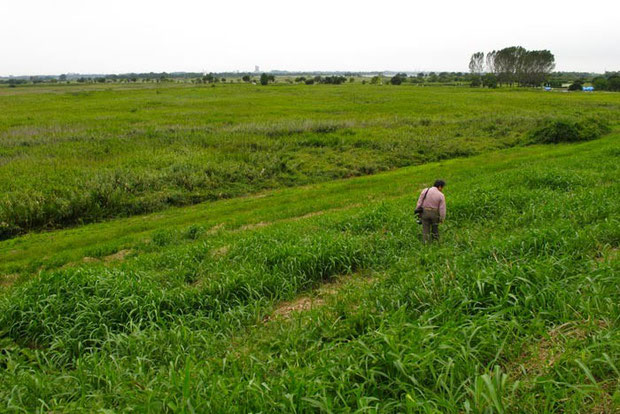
(256, 69)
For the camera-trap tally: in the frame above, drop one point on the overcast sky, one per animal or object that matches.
(62, 36)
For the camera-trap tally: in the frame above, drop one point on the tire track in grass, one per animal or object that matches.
(117, 257)
(320, 295)
(323, 297)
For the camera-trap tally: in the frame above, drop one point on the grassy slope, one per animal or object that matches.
(48, 250)
(517, 309)
(70, 155)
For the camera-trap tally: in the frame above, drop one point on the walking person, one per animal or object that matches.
(431, 209)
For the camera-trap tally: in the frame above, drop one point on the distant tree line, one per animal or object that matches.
(422, 78)
(490, 70)
(511, 65)
(14, 82)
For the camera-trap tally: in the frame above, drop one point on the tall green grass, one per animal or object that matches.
(79, 154)
(516, 310)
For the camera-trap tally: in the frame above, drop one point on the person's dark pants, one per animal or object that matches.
(430, 224)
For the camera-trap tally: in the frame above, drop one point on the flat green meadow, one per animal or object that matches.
(306, 289)
(74, 154)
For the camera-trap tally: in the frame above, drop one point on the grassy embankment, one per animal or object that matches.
(515, 311)
(77, 154)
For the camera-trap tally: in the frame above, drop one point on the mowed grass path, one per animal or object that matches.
(517, 310)
(76, 154)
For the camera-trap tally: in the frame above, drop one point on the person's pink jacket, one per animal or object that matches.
(434, 199)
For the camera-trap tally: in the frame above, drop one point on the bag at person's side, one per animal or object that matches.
(420, 210)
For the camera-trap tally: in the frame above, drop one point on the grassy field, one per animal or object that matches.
(76, 154)
(322, 298)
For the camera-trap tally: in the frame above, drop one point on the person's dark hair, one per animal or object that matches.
(439, 183)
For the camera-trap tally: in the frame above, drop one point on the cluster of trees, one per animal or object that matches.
(398, 78)
(265, 79)
(511, 65)
(327, 80)
(429, 77)
(439, 77)
(14, 82)
(210, 78)
(331, 80)
(576, 86)
(609, 82)
(488, 80)
(452, 78)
